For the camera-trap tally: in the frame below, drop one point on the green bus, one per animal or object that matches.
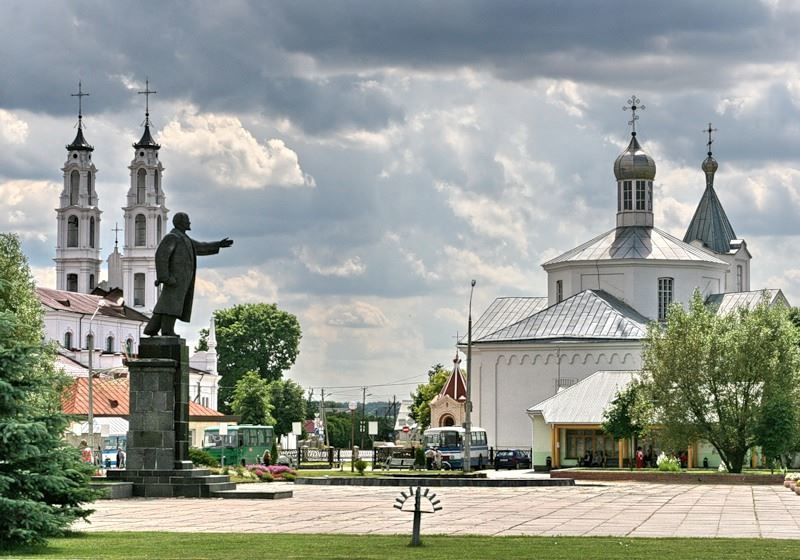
(243, 445)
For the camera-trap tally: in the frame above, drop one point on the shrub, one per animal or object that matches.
(265, 476)
(201, 457)
(289, 477)
(419, 457)
(668, 463)
(360, 466)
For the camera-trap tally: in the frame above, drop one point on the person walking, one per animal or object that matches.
(86, 452)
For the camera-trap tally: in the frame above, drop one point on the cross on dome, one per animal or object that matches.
(709, 130)
(147, 93)
(634, 104)
(80, 95)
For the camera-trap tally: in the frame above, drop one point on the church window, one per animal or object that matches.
(72, 282)
(72, 231)
(640, 195)
(155, 185)
(91, 282)
(140, 186)
(140, 237)
(559, 291)
(91, 232)
(110, 344)
(158, 229)
(627, 195)
(129, 346)
(649, 196)
(89, 187)
(74, 187)
(138, 289)
(90, 341)
(68, 340)
(739, 274)
(664, 297)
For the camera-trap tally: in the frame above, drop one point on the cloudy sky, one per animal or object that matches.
(370, 158)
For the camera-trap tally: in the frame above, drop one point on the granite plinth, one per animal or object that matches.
(172, 483)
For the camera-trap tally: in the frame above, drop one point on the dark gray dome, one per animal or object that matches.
(633, 163)
(710, 165)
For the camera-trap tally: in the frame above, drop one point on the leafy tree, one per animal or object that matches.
(713, 376)
(630, 415)
(778, 429)
(43, 482)
(339, 426)
(421, 408)
(288, 404)
(253, 337)
(251, 400)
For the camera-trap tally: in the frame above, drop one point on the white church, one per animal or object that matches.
(83, 312)
(545, 368)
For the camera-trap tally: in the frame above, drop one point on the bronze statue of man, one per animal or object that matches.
(176, 265)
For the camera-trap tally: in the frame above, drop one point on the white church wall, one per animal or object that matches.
(57, 324)
(513, 378)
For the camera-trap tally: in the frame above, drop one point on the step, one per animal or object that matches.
(113, 490)
(244, 494)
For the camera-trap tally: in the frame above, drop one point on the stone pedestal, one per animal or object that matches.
(158, 462)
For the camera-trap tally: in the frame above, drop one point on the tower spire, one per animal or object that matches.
(80, 143)
(80, 95)
(147, 139)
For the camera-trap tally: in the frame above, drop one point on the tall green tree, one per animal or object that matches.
(421, 408)
(253, 337)
(712, 376)
(43, 483)
(251, 400)
(289, 404)
(630, 415)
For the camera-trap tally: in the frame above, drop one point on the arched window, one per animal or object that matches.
(74, 187)
(72, 231)
(89, 187)
(141, 176)
(138, 289)
(664, 297)
(140, 237)
(447, 420)
(155, 186)
(68, 340)
(739, 276)
(110, 343)
(91, 232)
(559, 291)
(129, 347)
(90, 341)
(91, 282)
(158, 229)
(72, 282)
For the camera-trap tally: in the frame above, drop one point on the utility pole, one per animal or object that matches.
(322, 415)
(467, 466)
(363, 414)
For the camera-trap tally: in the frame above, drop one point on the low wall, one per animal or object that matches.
(668, 477)
(438, 481)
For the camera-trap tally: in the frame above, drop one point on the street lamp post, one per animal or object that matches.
(90, 395)
(468, 413)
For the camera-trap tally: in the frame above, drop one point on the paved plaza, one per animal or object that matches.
(615, 509)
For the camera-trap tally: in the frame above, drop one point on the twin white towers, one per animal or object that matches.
(145, 221)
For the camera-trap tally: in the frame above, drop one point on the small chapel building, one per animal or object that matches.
(544, 367)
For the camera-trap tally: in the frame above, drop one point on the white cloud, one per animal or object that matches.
(343, 269)
(466, 264)
(25, 208)
(231, 154)
(221, 289)
(357, 314)
(13, 130)
(565, 94)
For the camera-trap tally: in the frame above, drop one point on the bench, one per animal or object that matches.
(399, 463)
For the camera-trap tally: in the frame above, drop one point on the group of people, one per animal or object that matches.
(590, 459)
(96, 457)
(649, 459)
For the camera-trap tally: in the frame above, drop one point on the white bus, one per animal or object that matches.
(449, 442)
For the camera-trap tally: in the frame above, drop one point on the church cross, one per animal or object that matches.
(147, 93)
(634, 104)
(80, 95)
(116, 231)
(709, 130)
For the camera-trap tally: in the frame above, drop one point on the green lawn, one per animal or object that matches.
(130, 546)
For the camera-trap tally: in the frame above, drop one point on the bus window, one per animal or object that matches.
(451, 439)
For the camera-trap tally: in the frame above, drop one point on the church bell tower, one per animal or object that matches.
(78, 216)
(145, 219)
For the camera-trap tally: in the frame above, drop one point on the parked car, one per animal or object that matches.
(512, 459)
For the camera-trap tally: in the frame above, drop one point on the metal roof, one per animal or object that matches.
(80, 142)
(86, 304)
(730, 302)
(590, 314)
(586, 401)
(147, 139)
(635, 242)
(455, 387)
(505, 311)
(110, 398)
(634, 163)
(710, 224)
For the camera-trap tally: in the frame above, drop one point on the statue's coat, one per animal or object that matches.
(176, 264)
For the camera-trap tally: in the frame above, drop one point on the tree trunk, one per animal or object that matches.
(736, 458)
